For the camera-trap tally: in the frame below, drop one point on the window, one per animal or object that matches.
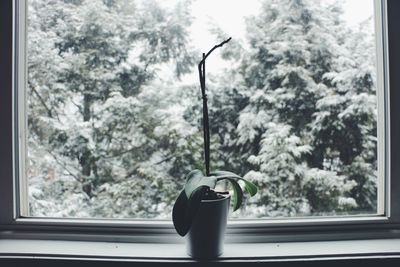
(113, 112)
(79, 147)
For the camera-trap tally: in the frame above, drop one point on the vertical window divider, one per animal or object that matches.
(383, 127)
(20, 138)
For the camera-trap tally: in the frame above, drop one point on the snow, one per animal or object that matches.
(114, 107)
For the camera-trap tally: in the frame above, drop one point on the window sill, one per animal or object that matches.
(234, 252)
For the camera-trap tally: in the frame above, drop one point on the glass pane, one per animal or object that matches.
(114, 105)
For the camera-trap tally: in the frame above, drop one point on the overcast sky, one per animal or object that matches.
(230, 15)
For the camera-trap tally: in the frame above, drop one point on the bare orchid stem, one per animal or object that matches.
(206, 127)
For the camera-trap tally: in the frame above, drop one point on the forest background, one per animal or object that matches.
(114, 108)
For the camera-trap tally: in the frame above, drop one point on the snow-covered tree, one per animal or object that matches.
(345, 125)
(109, 104)
(291, 87)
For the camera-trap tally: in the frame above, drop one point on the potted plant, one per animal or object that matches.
(200, 212)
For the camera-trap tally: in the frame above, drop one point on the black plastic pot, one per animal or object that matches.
(205, 239)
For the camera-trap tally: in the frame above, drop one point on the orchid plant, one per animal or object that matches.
(201, 186)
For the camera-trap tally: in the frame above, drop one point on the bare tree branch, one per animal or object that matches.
(65, 167)
(49, 112)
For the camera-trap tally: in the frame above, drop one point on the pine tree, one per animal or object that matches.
(109, 101)
(287, 82)
(345, 123)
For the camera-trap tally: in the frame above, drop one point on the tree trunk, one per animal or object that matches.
(86, 156)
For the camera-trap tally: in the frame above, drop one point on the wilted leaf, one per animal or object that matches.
(248, 186)
(224, 174)
(237, 196)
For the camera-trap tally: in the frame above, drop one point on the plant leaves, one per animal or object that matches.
(196, 179)
(185, 209)
(248, 186)
(224, 174)
(179, 213)
(237, 197)
(189, 200)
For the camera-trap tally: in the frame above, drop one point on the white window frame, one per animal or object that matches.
(12, 224)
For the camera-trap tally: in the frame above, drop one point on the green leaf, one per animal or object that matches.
(189, 200)
(223, 174)
(179, 214)
(237, 196)
(185, 209)
(196, 179)
(248, 186)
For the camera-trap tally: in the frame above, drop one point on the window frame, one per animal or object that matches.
(12, 14)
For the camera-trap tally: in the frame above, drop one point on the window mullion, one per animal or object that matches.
(6, 112)
(393, 37)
